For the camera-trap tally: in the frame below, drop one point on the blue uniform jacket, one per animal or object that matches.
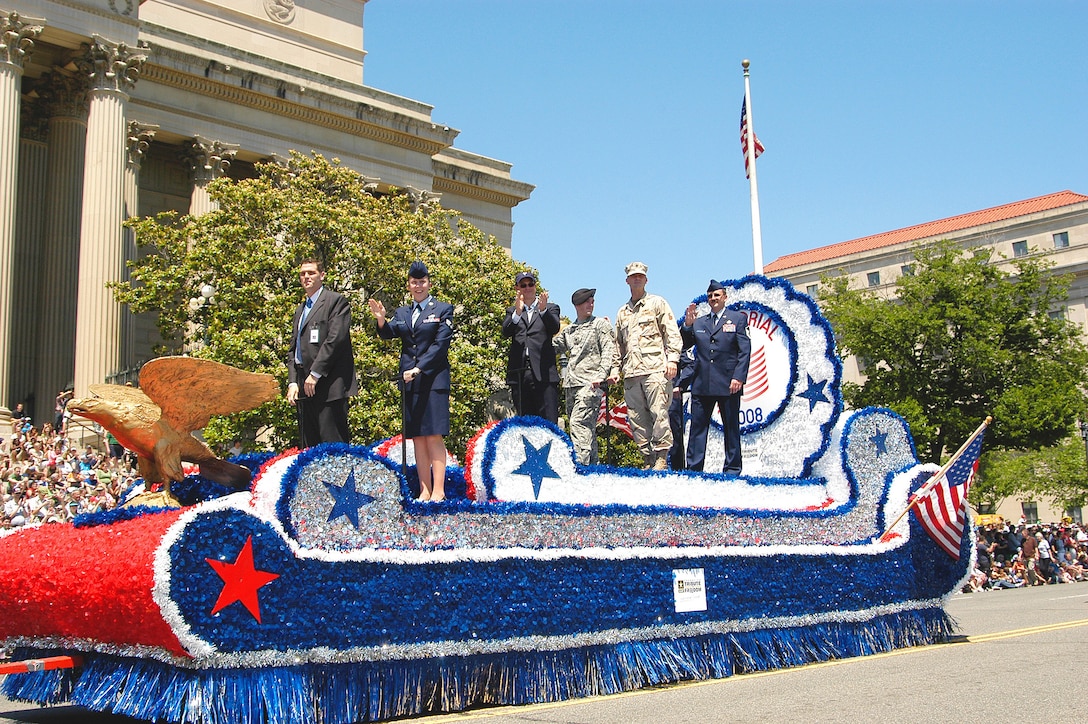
(427, 345)
(722, 352)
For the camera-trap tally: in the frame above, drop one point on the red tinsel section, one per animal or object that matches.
(89, 583)
(470, 457)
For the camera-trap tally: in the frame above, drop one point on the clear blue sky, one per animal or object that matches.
(625, 115)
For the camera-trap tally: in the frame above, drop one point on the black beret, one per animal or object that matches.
(582, 295)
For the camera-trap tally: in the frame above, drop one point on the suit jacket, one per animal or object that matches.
(722, 352)
(531, 342)
(426, 345)
(326, 347)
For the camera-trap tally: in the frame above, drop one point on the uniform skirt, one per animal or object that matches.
(427, 409)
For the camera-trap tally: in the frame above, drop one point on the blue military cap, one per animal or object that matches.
(418, 270)
(714, 286)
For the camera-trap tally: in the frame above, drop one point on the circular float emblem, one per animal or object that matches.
(791, 398)
(769, 369)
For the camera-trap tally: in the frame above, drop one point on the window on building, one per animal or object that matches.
(986, 508)
(1061, 240)
(1020, 248)
(907, 270)
(874, 279)
(1057, 313)
(1031, 512)
(1075, 514)
(812, 290)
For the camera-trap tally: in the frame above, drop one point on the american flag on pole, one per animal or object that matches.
(744, 138)
(617, 418)
(943, 510)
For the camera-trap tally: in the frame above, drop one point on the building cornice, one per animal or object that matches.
(374, 123)
(468, 190)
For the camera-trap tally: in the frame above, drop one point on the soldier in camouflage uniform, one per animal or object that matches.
(586, 349)
(647, 351)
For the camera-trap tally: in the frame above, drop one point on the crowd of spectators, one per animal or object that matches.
(46, 477)
(1014, 556)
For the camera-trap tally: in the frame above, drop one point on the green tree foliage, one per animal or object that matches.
(961, 340)
(249, 250)
(1058, 473)
(1002, 474)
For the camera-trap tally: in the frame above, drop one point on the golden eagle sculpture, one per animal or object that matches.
(176, 396)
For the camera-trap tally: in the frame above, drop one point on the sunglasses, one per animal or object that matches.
(526, 285)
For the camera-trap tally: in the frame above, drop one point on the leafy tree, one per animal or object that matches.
(961, 340)
(249, 250)
(1002, 474)
(1058, 473)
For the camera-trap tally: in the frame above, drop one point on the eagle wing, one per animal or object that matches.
(190, 391)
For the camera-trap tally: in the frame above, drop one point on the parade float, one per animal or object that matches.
(326, 593)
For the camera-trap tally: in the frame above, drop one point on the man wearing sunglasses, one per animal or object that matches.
(530, 369)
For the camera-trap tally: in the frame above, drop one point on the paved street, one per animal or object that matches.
(1023, 654)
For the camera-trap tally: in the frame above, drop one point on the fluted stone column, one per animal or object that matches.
(208, 160)
(16, 41)
(115, 68)
(64, 98)
(29, 232)
(139, 140)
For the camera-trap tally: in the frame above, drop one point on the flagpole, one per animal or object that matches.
(757, 233)
(932, 482)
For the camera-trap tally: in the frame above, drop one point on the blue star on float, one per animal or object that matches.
(814, 393)
(880, 439)
(347, 500)
(536, 465)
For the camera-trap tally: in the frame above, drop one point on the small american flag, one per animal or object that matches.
(617, 418)
(943, 510)
(744, 137)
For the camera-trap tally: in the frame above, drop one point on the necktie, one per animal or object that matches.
(302, 325)
(416, 311)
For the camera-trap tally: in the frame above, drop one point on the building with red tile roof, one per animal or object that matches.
(975, 223)
(1053, 227)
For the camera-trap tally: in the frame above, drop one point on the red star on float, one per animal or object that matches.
(241, 581)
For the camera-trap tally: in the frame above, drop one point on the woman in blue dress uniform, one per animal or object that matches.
(425, 328)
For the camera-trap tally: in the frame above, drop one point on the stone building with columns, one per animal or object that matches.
(116, 108)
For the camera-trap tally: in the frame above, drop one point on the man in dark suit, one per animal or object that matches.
(530, 369)
(321, 361)
(722, 350)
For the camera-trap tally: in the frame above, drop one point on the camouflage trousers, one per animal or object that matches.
(583, 409)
